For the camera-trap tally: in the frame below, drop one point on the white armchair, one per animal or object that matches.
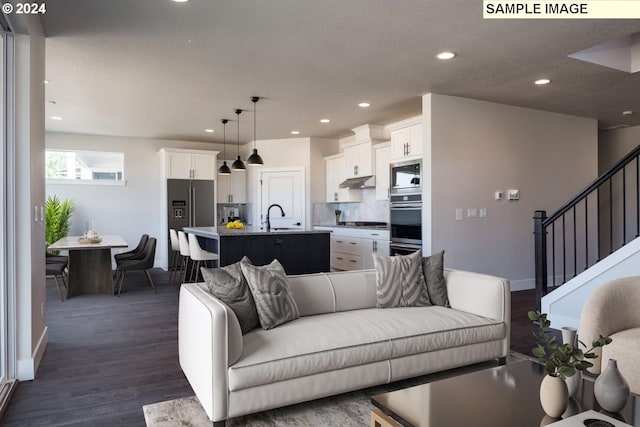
(612, 309)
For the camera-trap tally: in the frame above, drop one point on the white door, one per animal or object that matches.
(285, 188)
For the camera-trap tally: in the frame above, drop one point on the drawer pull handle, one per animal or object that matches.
(353, 260)
(340, 258)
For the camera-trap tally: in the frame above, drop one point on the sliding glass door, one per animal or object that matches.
(7, 274)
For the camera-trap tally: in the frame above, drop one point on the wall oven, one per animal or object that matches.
(406, 177)
(405, 223)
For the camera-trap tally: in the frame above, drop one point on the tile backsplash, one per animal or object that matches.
(369, 209)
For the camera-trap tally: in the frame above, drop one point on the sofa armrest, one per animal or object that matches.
(481, 294)
(611, 308)
(209, 340)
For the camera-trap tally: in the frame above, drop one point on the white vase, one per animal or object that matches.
(554, 396)
(611, 390)
(570, 336)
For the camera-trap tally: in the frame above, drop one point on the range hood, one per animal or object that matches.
(359, 182)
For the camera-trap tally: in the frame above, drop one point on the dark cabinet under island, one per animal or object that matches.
(299, 251)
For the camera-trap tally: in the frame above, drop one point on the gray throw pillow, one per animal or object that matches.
(433, 269)
(400, 282)
(270, 289)
(229, 285)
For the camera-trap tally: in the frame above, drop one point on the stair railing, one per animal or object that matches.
(596, 222)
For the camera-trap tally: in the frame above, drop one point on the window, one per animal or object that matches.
(82, 166)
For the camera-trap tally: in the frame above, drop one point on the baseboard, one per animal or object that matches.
(27, 368)
(522, 285)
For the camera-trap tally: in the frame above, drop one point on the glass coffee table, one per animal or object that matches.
(506, 396)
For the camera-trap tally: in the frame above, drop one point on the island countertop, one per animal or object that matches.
(215, 232)
(300, 251)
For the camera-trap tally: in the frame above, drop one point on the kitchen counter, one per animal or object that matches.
(363, 227)
(214, 232)
(300, 251)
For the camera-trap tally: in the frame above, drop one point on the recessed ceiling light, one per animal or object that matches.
(209, 130)
(364, 105)
(542, 82)
(324, 120)
(56, 118)
(180, 1)
(446, 55)
(295, 132)
(627, 113)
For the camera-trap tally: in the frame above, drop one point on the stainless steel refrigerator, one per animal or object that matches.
(192, 203)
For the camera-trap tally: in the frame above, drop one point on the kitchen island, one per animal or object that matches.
(299, 251)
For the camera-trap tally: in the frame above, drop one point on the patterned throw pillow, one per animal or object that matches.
(229, 285)
(270, 289)
(400, 282)
(433, 269)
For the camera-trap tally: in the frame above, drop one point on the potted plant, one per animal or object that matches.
(57, 218)
(561, 361)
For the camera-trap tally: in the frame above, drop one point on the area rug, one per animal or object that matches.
(346, 410)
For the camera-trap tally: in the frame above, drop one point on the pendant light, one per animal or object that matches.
(224, 169)
(238, 165)
(254, 159)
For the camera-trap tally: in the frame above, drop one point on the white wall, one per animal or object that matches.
(129, 210)
(477, 148)
(613, 145)
(31, 331)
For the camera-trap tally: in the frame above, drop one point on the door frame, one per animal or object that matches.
(259, 215)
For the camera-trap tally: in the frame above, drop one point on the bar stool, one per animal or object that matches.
(199, 255)
(175, 253)
(185, 253)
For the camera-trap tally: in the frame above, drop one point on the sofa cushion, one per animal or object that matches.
(433, 270)
(400, 281)
(339, 340)
(270, 289)
(229, 285)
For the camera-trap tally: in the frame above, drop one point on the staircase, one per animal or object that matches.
(591, 239)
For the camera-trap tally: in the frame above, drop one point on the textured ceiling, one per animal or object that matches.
(160, 69)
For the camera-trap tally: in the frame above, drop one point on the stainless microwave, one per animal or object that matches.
(406, 177)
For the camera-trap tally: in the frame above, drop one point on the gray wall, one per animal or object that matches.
(615, 144)
(479, 147)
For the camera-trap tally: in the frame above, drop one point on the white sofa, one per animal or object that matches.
(341, 342)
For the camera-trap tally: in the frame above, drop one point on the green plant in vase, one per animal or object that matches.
(562, 359)
(57, 219)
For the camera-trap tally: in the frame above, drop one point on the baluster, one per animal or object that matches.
(611, 215)
(564, 250)
(553, 253)
(586, 232)
(624, 206)
(575, 244)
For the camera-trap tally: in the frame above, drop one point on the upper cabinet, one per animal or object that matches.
(358, 160)
(190, 164)
(406, 142)
(382, 154)
(232, 188)
(335, 168)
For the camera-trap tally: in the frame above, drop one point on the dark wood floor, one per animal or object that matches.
(109, 356)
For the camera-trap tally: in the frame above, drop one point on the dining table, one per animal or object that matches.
(89, 263)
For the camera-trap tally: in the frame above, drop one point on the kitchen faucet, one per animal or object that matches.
(268, 209)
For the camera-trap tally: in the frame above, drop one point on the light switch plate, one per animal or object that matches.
(498, 195)
(483, 212)
(513, 194)
(472, 213)
(459, 214)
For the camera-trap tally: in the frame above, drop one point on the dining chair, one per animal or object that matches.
(185, 253)
(199, 255)
(136, 253)
(56, 269)
(144, 263)
(175, 253)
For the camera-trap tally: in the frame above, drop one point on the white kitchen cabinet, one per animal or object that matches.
(406, 143)
(353, 248)
(358, 160)
(334, 176)
(383, 158)
(375, 246)
(190, 164)
(232, 188)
